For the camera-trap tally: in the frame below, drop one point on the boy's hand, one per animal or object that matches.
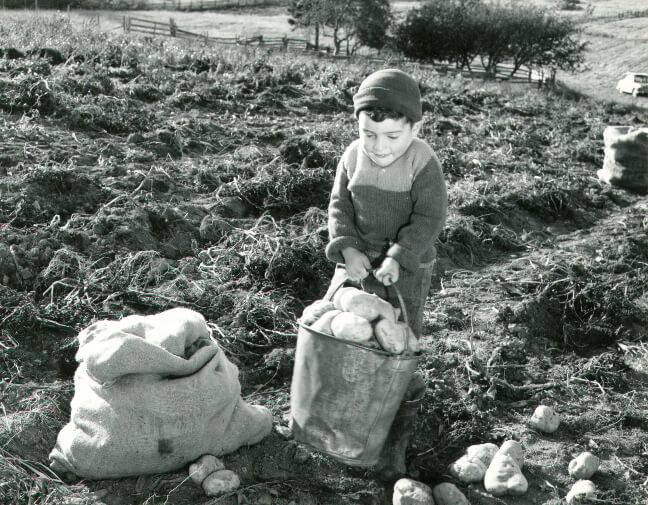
(388, 272)
(356, 263)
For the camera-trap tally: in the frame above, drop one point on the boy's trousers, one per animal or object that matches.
(414, 287)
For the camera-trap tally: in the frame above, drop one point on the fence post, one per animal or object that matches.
(127, 24)
(173, 27)
(284, 42)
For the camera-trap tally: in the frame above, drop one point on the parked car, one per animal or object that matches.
(633, 83)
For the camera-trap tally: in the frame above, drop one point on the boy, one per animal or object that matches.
(388, 205)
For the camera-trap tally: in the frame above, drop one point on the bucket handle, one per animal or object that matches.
(401, 302)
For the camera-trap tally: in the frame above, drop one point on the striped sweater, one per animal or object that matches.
(397, 211)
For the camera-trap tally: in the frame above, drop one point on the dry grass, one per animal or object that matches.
(615, 46)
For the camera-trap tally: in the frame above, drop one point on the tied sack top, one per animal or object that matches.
(400, 208)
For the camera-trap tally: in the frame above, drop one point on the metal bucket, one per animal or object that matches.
(344, 396)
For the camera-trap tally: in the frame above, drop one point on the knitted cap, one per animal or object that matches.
(390, 89)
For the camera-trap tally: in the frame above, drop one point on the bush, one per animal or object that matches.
(568, 5)
(372, 21)
(537, 39)
(458, 31)
(356, 23)
(440, 30)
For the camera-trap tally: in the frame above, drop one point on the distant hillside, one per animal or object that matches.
(616, 46)
(618, 43)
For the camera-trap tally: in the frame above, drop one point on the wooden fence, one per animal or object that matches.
(176, 5)
(504, 71)
(203, 5)
(171, 29)
(633, 14)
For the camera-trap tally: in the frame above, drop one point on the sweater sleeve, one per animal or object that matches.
(430, 204)
(342, 230)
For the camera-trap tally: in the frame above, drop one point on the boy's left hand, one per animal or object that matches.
(388, 272)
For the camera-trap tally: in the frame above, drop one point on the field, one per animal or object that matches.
(143, 174)
(615, 46)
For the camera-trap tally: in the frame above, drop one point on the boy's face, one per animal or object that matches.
(386, 141)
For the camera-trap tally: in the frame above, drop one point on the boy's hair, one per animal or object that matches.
(390, 89)
(379, 114)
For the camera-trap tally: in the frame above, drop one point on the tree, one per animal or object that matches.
(505, 29)
(530, 36)
(463, 20)
(458, 31)
(561, 50)
(356, 22)
(339, 16)
(307, 13)
(440, 30)
(372, 21)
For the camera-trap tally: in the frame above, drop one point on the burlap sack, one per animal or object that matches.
(626, 158)
(140, 406)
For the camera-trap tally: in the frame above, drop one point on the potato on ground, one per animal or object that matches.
(468, 469)
(483, 452)
(205, 465)
(448, 494)
(514, 449)
(412, 492)
(221, 482)
(582, 489)
(545, 419)
(583, 466)
(504, 476)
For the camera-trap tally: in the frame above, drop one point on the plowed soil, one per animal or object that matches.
(140, 175)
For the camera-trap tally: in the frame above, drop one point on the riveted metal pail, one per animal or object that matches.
(344, 396)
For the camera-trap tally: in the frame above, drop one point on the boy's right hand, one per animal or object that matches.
(356, 263)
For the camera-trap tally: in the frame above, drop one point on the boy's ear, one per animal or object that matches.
(416, 127)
